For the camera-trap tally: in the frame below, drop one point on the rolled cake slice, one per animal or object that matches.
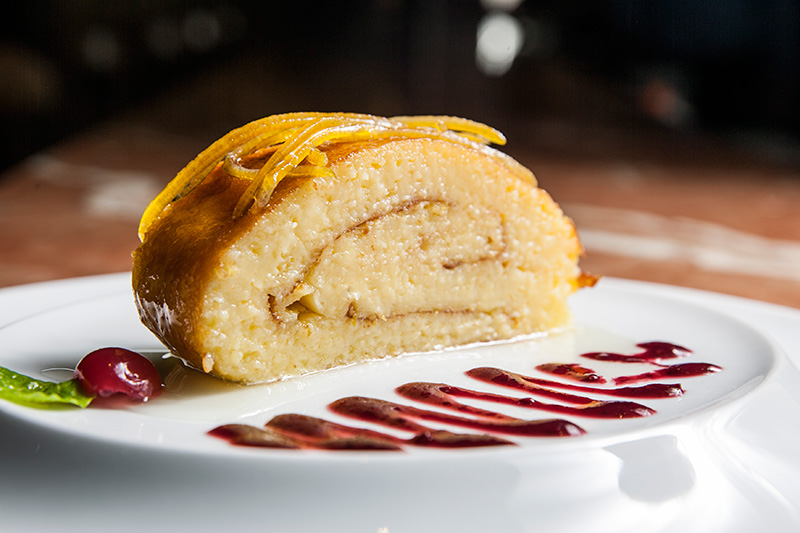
(307, 241)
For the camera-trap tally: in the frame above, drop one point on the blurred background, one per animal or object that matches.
(669, 130)
(552, 74)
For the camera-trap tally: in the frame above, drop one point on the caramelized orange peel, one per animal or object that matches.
(292, 144)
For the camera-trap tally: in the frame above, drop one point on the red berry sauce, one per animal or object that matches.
(301, 431)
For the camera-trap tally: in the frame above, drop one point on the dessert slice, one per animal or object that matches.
(303, 242)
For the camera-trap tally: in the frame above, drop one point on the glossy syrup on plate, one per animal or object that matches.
(576, 395)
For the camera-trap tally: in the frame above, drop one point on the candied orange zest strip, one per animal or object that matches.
(294, 138)
(288, 156)
(311, 171)
(269, 141)
(469, 128)
(317, 157)
(196, 171)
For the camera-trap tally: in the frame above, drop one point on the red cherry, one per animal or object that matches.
(110, 371)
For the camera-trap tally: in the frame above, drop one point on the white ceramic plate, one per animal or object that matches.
(720, 455)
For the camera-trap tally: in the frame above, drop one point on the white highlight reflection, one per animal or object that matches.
(500, 38)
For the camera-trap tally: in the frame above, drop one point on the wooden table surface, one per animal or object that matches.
(701, 216)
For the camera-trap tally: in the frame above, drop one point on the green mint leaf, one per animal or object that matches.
(24, 390)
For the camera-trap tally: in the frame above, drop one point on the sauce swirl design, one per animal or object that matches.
(576, 396)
